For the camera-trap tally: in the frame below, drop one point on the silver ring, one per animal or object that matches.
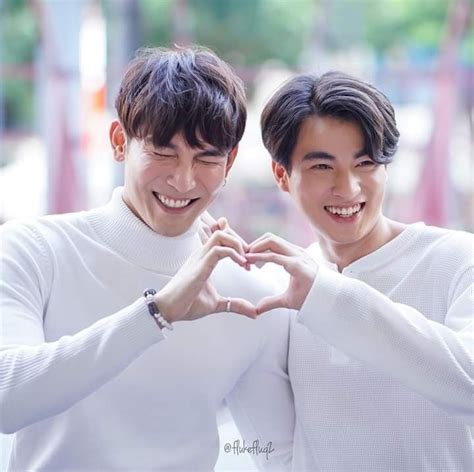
(228, 305)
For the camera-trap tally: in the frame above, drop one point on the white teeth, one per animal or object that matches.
(172, 203)
(344, 211)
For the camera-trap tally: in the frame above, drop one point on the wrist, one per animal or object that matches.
(158, 300)
(154, 310)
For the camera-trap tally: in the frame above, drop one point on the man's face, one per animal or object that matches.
(169, 187)
(336, 185)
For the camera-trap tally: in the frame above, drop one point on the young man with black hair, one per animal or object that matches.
(381, 349)
(88, 380)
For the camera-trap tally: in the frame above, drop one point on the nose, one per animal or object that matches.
(346, 185)
(182, 178)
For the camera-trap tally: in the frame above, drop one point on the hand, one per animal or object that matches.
(189, 295)
(295, 260)
(211, 225)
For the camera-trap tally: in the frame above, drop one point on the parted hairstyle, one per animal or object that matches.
(188, 90)
(336, 95)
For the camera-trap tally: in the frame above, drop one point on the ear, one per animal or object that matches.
(281, 176)
(231, 159)
(118, 140)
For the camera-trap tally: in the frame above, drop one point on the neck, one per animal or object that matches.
(127, 235)
(344, 254)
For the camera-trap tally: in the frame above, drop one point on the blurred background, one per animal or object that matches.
(61, 62)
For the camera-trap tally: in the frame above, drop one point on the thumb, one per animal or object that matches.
(222, 223)
(272, 302)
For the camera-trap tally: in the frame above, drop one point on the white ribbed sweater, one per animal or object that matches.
(87, 380)
(381, 359)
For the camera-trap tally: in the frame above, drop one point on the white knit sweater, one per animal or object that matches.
(381, 359)
(87, 380)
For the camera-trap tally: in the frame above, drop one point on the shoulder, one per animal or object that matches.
(24, 233)
(444, 243)
(445, 256)
(40, 235)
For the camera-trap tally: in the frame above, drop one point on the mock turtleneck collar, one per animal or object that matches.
(127, 235)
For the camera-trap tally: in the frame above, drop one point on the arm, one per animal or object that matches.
(77, 365)
(70, 368)
(262, 403)
(432, 359)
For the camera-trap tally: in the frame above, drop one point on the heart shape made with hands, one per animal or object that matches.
(269, 248)
(300, 266)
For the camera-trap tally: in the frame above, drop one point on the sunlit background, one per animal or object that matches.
(61, 62)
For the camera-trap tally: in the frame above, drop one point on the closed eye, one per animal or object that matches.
(321, 167)
(160, 155)
(366, 163)
(210, 163)
(211, 159)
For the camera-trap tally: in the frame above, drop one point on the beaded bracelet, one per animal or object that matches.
(153, 309)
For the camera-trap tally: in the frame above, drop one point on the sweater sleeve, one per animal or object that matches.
(430, 358)
(262, 403)
(41, 379)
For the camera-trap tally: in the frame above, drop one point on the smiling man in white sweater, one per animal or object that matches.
(88, 379)
(381, 350)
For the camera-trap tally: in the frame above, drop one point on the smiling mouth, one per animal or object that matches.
(174, 204)
(345, 211)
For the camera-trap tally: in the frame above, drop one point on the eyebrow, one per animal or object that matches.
(211, 152)
(324, 155)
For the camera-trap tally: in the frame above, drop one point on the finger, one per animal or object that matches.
(204, 234)
(275, 244)
(265, 236)
(287, 262)
(237, 305)
(224, 238)
(240, 238)
(219, 225)
(220, 252)
(272, 302)
(215, 227)
(203, 267)
(223, 225)
(207, 219)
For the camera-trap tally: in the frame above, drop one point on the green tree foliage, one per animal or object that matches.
(252, 31)
(18, 38)
(248, 32)
(392, 23)
(245, 32)
(18, 31)
(156, 22)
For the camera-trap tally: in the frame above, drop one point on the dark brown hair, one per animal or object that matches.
(336, 95)
(188, 90)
